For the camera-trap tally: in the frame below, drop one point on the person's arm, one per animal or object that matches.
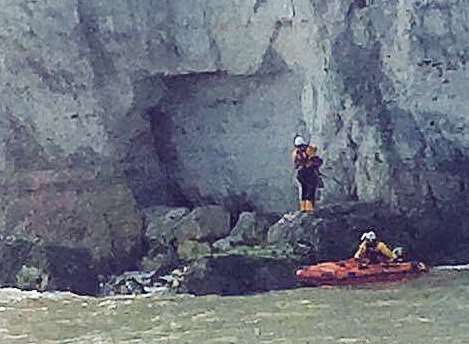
(317, 162)
(361, 251)
(296, 159)
(293, 158)
(385, 251)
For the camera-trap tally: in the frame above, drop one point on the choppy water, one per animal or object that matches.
(432, 309)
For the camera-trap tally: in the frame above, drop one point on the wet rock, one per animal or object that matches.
(207, 223)
(129, 283)
(34, 264)
(70, 269)
(173, 280)
(31, 278)
(139, 282)
(239, 275)
(190, 250)
(14, 253)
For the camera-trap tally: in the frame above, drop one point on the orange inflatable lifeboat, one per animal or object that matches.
(349, 272)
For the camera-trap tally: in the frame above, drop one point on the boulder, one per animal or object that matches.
(31, 278)
(34, 264)
(207, 223)
(141, 282)
(128, 283)
(251, 229)
(190, 250)
(80, 210)
(14, 253)
(224, 244)
(239, 275)
(162, 263)
(161, 224)
(160, 237)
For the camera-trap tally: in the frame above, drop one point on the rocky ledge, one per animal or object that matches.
(256, 255)
(199, 251)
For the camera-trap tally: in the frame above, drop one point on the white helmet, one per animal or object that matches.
(369, 236)
(399, 252)
(300, 141)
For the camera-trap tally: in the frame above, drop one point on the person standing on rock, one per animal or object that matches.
(307, 164)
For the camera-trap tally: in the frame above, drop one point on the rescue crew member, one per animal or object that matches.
(373, 250)
(307, 164)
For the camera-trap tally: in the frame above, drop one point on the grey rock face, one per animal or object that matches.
(377, 90)
(242, 157)
(73, 208)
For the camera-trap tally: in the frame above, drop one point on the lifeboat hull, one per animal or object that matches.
(351, 272)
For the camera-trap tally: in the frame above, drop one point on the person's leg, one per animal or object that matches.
(302, 194)
(311, 194)
(312, 191)
(308, 205)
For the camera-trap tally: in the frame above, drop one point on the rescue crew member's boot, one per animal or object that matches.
(309, 207)
(302, 206)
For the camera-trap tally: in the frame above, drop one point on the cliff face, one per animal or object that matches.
(111, 106)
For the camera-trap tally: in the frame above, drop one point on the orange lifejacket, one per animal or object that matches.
(375, 253)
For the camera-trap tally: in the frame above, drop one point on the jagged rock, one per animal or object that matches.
(139, 282)
(207, 223)
(239, 275)
(190, 250)
(129, 283)
(224, 244)
(162, 263)
(30, 278)
(251, 229)
(160, 236)
(173, 281)
(162, 223)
